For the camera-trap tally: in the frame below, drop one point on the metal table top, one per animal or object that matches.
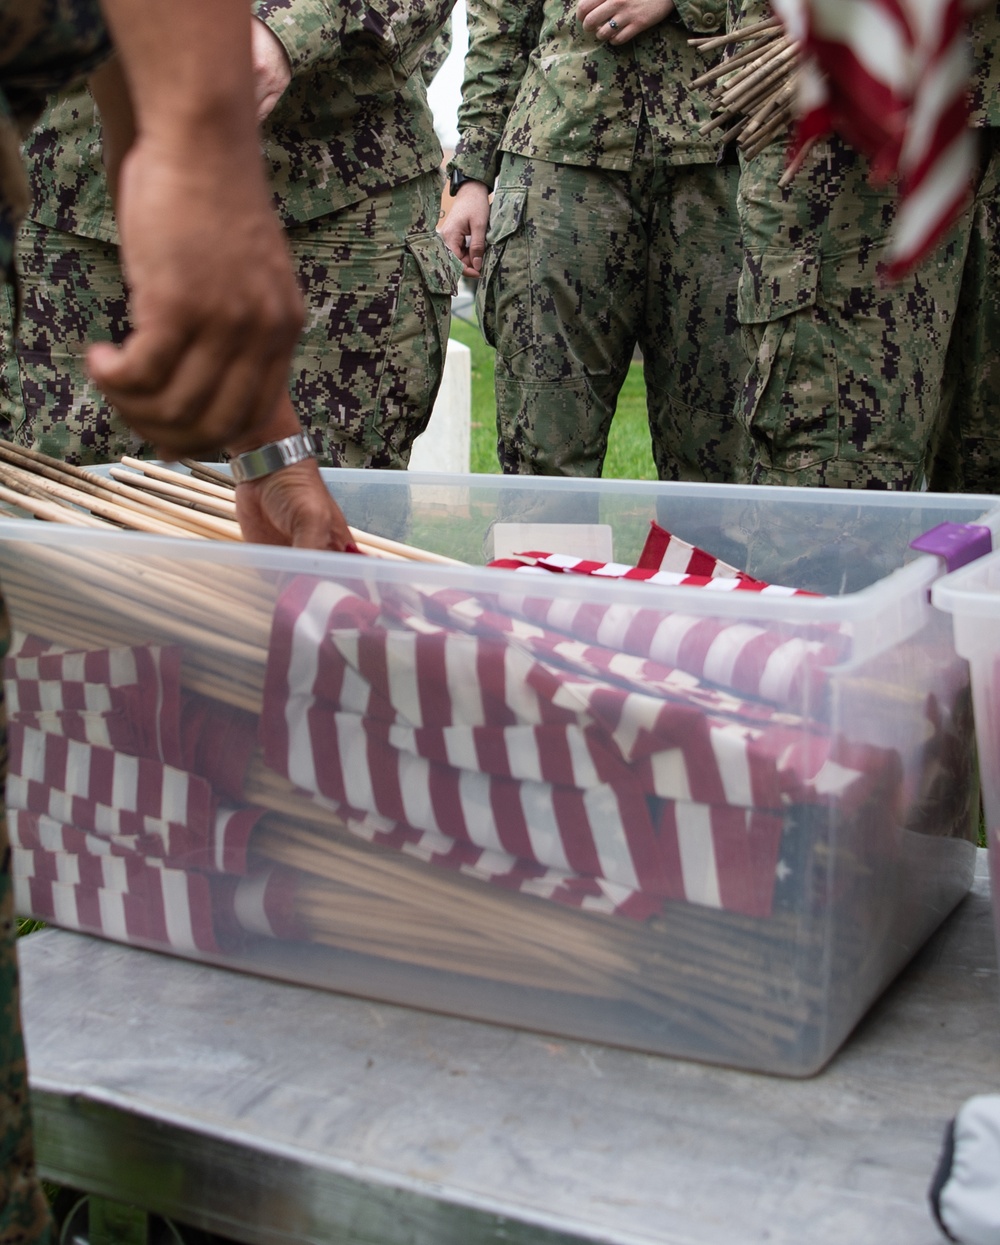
(273, 1113)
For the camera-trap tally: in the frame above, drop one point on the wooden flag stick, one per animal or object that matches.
(119, 511)
(709, 43)
(207, 474)
(220, 512)
(726, 67)
(383, 544)
(223, 493)
(760, 81)
(51, 511)
(796, 163)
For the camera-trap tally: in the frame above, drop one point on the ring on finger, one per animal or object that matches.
(613, 24)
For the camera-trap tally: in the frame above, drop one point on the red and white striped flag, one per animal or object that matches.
(892, 76)
(130, 696)
(128, 897)
(110, 830)
(535, 760)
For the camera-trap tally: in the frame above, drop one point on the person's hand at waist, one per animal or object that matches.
(465, 225)
(619, 21)
(290, 506)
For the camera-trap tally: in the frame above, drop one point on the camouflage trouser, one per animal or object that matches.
(846, 381)
(581, 265)
(966, 458)
(72, 294)
(43, 46)
(378, 283)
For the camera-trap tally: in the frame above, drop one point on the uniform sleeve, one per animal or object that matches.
(702, 17)
(436, 54)
(502, 36)
(400, 32)
(310, 30)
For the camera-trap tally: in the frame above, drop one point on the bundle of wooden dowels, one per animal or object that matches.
(753, 90)
(199, 504)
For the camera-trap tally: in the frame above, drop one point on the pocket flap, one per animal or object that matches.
(440, 269)
(506, 211)
(775, 283)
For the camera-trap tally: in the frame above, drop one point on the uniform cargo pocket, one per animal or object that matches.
(503, 307)
(789, 402)
(438, 267)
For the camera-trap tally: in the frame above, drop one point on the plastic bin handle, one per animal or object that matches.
(957, 543)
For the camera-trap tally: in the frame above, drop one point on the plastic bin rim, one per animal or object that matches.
(966, 590)
(866, 603)
(875, 499)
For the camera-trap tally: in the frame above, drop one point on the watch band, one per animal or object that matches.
(267, 459)
(458, 178)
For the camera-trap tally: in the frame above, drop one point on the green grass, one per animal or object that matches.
(629, 454)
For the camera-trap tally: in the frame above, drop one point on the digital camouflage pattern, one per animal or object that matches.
(42, 46)
(852, 382)
(378, 284)
(538, 85)
(985, 99)
(844, 384)
(355, 118)
(356, 179)
(966, 458)
(377, 281)
(582, 264)
(62, 154)
(72, 294)
(611, 226)
(968, 455)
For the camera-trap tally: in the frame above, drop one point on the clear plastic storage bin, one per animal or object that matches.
(708, 821)
(972, 596)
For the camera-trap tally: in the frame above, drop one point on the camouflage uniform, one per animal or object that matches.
(72, 293)
(967, 455)
(355, 168)
(39, 49)
(855, 383)
(611, 226)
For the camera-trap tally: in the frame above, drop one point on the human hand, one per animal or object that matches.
(272, 70)
(619, 21)
(465, 225)
(292, 507)
(215, 308)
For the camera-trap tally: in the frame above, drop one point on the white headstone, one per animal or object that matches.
(445, 443)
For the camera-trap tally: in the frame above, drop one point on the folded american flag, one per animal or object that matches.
(610, 757)
(892, 76)
(124, 896)
(109, 832)
(445, 724)
(124, 697)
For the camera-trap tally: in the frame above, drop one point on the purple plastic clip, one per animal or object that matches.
(957, 543)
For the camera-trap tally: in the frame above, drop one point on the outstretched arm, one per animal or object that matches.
(215, 308)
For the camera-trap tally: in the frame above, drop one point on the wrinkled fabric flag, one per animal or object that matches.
(447, 725)
(892, 76)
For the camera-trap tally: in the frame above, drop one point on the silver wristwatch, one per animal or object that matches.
(267, 459)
